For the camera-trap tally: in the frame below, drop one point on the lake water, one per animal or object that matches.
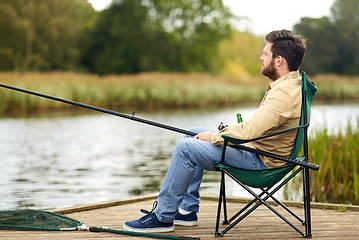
(59, 161)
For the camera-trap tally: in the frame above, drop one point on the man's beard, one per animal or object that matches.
(270, 71)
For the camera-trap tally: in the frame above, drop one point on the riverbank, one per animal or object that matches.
(142, 91)
(151, 90)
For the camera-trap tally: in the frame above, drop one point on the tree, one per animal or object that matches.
(132, 36)
(240, 54)
(14, 40)
(118, 39)
(333, 41)
(322, 44)
(44, 35)
(346, 17)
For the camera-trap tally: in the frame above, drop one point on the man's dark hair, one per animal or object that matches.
(288, 45)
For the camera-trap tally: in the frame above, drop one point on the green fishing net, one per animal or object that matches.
(36, 220)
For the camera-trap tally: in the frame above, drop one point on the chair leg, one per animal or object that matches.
(262, 200)
(225, 220)
(284, 206)
(288, 210)
(239, 214)
(283, 218)
(222, 197)
(245, 208)
(308, 228)
(269, 195)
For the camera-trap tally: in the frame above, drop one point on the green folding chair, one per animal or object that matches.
(271, 180)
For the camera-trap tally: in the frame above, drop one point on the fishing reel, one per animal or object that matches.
(222, 126)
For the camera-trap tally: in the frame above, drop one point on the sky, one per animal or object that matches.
(264, 15)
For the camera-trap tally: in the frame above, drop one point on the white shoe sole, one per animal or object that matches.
(185, 223)
(149, 230)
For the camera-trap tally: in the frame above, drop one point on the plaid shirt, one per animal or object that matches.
(280, 109)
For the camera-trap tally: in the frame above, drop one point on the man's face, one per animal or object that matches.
(268, 68)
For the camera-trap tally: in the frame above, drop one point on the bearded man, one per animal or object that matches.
(280, 109)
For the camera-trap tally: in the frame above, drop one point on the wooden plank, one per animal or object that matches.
(326, 223)
(106, 204)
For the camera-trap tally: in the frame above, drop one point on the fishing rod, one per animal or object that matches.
(132, 117)
(98, 109)
(140, 234)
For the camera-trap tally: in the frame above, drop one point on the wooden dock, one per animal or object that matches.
(329, 221)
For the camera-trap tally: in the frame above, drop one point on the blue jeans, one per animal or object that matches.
(180, 188)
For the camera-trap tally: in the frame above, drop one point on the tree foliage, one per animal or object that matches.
(133, 36)
(333, 41)
(240, 54)
(157, 35)
(15, 35)
(42, 35)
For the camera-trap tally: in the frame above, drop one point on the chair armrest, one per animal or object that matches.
(241, 141)
(296, 161)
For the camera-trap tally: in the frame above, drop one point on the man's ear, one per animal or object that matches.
(280, 61)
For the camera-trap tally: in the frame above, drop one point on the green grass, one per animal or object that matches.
(334, 87)
(151, 90)
(337, 180)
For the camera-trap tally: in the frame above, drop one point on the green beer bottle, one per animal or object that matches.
(239, 118)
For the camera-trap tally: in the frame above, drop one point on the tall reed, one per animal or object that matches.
(337, 180)
(335, 87)
(151, 90)
(148, 90)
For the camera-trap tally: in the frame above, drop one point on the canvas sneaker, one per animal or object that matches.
(148, 223)
(188, 220)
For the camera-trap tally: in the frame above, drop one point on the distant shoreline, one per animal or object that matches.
(153, 91)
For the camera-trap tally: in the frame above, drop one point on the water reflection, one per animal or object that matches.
(60, 161)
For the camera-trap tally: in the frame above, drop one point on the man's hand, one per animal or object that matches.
(204, 136)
